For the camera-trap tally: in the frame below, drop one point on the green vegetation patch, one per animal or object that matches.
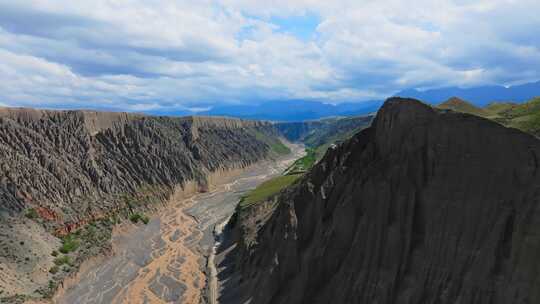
(278, 147)
(493, 109)
(70, 243)
(303, 164)
(274, 143)
(59, 261)
(31, 213)
(136, 217)
(525, 116)
(267, 189)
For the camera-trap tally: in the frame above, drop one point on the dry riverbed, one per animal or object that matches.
(165, 261)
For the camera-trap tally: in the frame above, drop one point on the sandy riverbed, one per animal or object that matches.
(165, 261)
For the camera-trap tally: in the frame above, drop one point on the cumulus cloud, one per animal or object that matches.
(145, 55)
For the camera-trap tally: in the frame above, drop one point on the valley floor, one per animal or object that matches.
(165, 261)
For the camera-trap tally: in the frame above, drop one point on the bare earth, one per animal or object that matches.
(165, 261)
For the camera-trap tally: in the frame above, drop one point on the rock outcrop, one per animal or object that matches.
(75, 165)
(425, 206)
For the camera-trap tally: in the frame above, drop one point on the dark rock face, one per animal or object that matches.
(425, 206)
(75, 165)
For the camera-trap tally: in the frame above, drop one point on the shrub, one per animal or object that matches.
(54, 253)
(31, 213)
(69, 244)
(136, 217)
(53, 269)
(62, 260)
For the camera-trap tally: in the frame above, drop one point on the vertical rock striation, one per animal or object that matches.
(65, 170)
(425, 206)
(72, 166)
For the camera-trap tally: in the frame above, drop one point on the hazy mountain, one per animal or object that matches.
(300, 110)
(478, 95)
(293, 110)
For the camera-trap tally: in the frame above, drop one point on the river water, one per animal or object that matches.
(165, 260)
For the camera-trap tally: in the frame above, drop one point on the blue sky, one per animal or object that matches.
(148, 55)
(302, 26)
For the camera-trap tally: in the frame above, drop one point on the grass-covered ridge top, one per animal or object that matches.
(525, 116)
(268, 189)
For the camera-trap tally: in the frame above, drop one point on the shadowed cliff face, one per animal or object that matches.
(74, 165)
(425, 206)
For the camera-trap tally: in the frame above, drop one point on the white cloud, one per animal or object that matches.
(143, 55)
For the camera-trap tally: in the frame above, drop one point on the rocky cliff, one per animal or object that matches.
(64, 170)
(425, 206)
(74, 164)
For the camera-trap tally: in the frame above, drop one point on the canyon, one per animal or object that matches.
(163, 261)
(69, 176)
(72, 181)
(418, 204)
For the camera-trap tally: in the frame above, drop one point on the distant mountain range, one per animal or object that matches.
(479, 96)
(293, 110)
(283, 110)
(299, 110)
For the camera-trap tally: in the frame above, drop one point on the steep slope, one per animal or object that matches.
(66, 162)
(525, 116)
(425, 206)
(319, 135)
(460, 105)
(336, 129)
(495, 108)
(314, 133)
(70, 173)
(317, 132)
